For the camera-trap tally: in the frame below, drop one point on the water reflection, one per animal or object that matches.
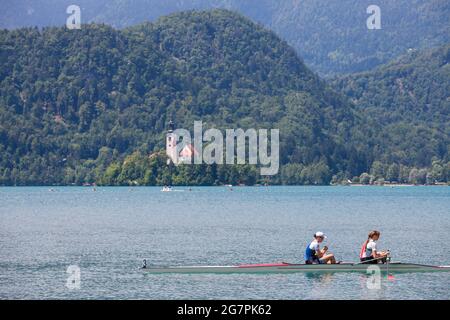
(321, 277)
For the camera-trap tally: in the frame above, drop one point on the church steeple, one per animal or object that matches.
(171, 126)
(171, 144)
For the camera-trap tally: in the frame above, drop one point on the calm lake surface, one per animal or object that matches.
(107, 233)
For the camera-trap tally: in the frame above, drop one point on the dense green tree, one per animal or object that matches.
(393, 173)
(365, 178)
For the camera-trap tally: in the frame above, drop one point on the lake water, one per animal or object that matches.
(107, 233)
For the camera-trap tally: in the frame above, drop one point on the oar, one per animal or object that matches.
(388, 259)
(365, 262)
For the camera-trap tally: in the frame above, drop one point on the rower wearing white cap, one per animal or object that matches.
(315, 255)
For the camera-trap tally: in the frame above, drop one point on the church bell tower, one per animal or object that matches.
(171, 144)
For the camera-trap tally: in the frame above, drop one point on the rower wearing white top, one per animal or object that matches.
(369, 252)
(315, 255)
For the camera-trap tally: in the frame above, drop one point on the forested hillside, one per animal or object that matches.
(330, 35)
(92, 105)
(411, 98)
(414, 88)
(75, 102)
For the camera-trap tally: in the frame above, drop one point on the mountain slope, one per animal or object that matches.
(410, 99)
(73, 103)
(331, 35)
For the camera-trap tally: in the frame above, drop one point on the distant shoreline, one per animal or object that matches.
(387, 185)
(397, 185)
(233, 186)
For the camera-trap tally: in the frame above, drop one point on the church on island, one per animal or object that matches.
(185, 155)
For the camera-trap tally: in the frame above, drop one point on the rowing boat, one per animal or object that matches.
(291, 268)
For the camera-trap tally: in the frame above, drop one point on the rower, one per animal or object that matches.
(369, 252)
(315, 255)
